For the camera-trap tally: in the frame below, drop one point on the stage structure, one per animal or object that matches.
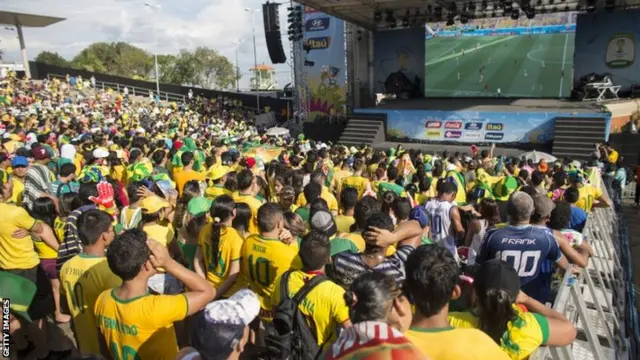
(19, 21)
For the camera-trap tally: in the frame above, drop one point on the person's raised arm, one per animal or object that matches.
(409, 231)
(198, 264)
(199, 293)
(574, 256)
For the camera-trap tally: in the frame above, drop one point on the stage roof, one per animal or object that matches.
(416, 12)
(27, 20)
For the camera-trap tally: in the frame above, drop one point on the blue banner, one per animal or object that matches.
(325, 63)
(473, 126)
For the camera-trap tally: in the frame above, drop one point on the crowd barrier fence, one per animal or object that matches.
(600, 300)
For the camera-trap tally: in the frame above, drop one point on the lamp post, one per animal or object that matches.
(255, 55)
(155, 8)
(237, 43)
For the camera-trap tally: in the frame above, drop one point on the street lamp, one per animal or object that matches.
(255, 56)
(156, 8)
(237, 43)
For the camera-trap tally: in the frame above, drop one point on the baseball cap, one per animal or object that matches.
(153, 204)
(19, 161)
(543, 206)
(323, 221)
(575, 176)
(19, 290)
(250, 162)
(100, 153)
(220, 326)
(496, 274)
(419, 214)
(40, 153)
(198, 206)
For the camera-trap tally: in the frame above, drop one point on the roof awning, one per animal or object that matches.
(27, 20)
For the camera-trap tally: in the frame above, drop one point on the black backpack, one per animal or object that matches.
(290, 336)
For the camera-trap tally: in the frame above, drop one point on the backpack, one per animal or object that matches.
(290, 336)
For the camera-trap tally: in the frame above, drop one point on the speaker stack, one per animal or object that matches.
(272, 33)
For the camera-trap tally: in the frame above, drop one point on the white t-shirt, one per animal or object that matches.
(440, 230)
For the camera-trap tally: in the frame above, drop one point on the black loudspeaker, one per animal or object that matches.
(272, 33)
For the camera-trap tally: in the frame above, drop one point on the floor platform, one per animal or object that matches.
(494, 105)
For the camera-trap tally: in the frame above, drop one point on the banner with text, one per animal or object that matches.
(472, 126)
(324, 63)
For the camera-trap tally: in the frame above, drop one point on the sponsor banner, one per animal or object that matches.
(433, 134)
(433, 124)
(451, 134)
(495, 127)
(494, 136)
(318, 24)
(475, 126)
(318, 43)
(453, 125)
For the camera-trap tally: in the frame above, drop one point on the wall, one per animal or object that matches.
(606, 43)
(475, 127)
(326, 79)
(398, 50)
(279, 106)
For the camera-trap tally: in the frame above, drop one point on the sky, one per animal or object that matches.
(177, 24)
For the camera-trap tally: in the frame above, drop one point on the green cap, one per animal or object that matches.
(198, 206)
(19, 290)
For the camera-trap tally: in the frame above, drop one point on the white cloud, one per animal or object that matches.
(178, 25)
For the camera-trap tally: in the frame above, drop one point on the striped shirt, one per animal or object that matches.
(71, 245)
(348, 266)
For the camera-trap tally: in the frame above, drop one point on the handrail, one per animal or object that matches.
(601, 301)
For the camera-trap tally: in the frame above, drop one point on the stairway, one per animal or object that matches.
(575, 137)
(364, 129)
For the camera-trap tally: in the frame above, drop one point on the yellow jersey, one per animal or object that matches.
(325, 195)
(142, 327)
(357, 182)
(58, 228)
(83, 278)
(16, 253)
(18, 189)
(228, 251)
(523, 336)
(163, 234)
(586, 195)
(343, 223)
(455, 344)
(43, 249)
(214, 191)
(324, 304)
(263, 260)
(254, 204)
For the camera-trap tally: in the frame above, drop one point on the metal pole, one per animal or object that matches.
(157, 72)
(23, 51)
(255, 61)
(237, 71)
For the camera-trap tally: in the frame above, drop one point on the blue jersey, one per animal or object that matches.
(527, 249)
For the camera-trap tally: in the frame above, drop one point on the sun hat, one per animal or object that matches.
(198, 206)
(153, 204)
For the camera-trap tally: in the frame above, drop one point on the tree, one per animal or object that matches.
(116, 58)
(214, 71)
(52, 58)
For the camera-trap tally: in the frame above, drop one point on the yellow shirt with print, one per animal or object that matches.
(83, 278)
(16, 253)
(524, 335)
(455, 344)
(254, 204)
(142, 327)
(357, 182)
(324, 304)
(262, 261)
(343, 223)
(18, 189)
(58, 228)
(43, 249)
(214, 191)
(228, 251)
(586, 196)
(325, 195)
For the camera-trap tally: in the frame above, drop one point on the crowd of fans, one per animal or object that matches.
(172, 231)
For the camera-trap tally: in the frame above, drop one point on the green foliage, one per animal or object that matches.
(52, 58)
(203, 67)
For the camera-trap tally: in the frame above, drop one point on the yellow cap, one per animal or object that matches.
(218, 171)
(153, 204)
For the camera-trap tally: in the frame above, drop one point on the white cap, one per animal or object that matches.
(240, 309)
(100, 153)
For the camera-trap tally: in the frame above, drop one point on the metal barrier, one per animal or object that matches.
(601, 300)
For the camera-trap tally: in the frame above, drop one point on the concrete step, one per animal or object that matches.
(364, 122)
(368, 116)
(578, 131)
(356, 139)
(363, 127)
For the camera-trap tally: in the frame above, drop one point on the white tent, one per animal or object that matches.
(278, 131)
(536, 156)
